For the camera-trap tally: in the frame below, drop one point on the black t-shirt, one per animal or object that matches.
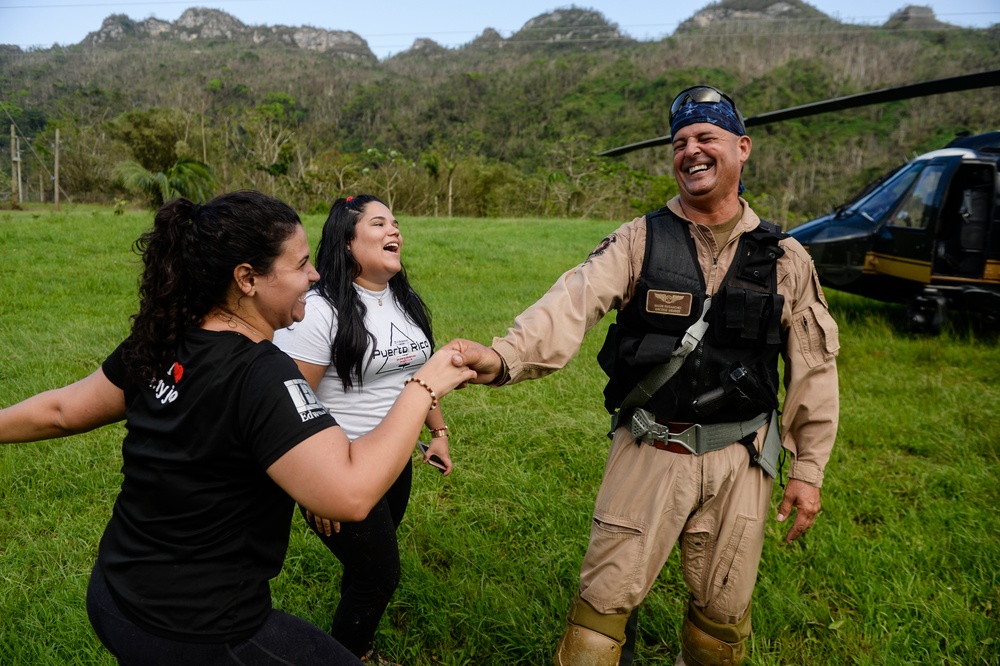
(199, 528)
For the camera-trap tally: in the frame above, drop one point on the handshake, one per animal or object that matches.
(459, 363)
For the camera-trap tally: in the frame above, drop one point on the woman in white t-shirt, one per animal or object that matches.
(365, 332)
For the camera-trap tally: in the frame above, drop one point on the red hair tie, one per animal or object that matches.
(350, 199)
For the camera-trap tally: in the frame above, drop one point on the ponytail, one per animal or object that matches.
(189, 257)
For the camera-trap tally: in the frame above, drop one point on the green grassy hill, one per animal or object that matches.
(500, 126)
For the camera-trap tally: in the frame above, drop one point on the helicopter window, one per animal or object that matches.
(920, 206)
(882, 199)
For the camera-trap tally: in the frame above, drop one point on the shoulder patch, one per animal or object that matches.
(603, 246)
(305, 401)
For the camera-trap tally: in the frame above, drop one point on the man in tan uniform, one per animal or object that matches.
(691, 459)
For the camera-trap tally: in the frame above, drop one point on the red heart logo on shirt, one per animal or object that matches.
(178, 372)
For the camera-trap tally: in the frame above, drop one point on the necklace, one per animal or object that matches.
(377, 296)
(232, 321)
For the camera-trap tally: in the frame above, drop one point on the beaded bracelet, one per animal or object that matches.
(439, 432)
(434, 398)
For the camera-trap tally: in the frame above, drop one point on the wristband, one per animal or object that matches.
(439, 432)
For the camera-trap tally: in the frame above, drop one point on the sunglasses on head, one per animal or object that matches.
(703, 95)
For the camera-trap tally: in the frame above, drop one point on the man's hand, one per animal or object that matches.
(805, 499)
(484, 360)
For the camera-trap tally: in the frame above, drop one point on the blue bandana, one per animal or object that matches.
(720, 114)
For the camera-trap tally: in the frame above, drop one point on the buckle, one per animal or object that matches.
(645, 428)
(689, 438)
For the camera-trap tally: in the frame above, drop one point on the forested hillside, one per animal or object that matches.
(499, 127)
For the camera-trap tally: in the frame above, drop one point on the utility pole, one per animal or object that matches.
(13, 169)
(57, 171)
(20, 186)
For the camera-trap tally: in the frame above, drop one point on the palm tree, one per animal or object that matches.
(187, 178)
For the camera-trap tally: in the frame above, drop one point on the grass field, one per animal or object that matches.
(902, 566)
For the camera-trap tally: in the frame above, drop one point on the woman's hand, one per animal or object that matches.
(439, 448)
(444, 371)
(323, 525)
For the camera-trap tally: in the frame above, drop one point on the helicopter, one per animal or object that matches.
(926, 234)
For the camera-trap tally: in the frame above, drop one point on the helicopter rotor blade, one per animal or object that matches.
(648, 143)
(911, 91)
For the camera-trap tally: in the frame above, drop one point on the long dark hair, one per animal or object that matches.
(189, 257)
(337, 270)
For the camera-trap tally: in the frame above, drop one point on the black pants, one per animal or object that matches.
(370, 555)
(283, 640)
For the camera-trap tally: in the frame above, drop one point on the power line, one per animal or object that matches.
(31, 147)
(116, 4)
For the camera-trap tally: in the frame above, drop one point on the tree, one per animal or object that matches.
(187, 178)
(386, 170)
(155, 137)
(265, 140)
(332, 174)
(431, 161)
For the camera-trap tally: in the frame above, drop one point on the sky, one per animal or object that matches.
(392, 26)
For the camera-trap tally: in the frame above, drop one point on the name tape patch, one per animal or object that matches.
(674, 303)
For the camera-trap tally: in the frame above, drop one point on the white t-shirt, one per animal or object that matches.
(400, 348)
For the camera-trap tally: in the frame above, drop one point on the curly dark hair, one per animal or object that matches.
(189, 257)
(337, 270)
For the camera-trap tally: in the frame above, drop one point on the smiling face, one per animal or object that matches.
(707, 164)
(279, 296)
(376, 246)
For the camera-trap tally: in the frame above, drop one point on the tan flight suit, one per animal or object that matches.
(716, 504)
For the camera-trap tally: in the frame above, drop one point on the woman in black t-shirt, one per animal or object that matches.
(223, 437)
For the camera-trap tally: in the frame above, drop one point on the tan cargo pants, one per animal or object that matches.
(715, 504)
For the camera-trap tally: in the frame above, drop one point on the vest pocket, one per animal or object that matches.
(745, 318)
(655, 348)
